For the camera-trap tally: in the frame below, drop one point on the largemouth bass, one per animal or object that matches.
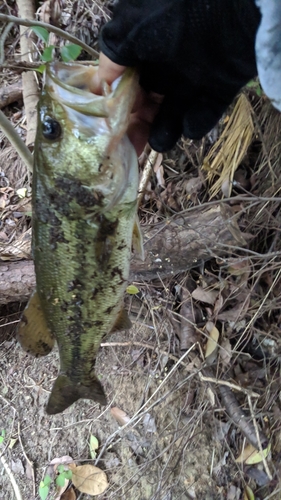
(85, 185)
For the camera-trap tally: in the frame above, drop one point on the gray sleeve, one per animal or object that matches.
(268, 49)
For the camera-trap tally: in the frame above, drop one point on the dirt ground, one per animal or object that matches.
(196, 382)
(168, 451)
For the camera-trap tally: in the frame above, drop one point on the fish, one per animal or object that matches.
(84, 206)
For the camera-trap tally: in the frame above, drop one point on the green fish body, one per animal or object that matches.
(84, 211)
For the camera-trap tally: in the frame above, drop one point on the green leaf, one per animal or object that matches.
(40, 69)
(47, 55)
(47, 480)
(43, 491)
(70, 52)
(94, 444)
(42, 33)
(132, 289)
(2, 436)
(68, 474)
(60, 469)
(60, 480)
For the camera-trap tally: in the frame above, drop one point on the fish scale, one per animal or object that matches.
(84, 213)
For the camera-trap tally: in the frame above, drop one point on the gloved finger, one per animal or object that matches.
(167, 126)
(203, 113)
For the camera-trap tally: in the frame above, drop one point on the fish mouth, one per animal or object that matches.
(90, 116)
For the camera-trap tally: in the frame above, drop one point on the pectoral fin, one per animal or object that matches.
(33, 333)
(137, 242)
(65, 393)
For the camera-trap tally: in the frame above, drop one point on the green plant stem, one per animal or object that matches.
(16, 141)
(49, 27)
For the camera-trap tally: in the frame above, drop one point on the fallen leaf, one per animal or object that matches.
(248, 494)
(29, 471)
(149, 423)
(120, 416)
(132, 290)
(212, 342)
(233, 493)
(159, 171)
(252, 456)
(12, 442)
(258, 475)
(68, 495)
(89, 479)
(17, 467)
(94, 444)
(193, 185)
(225, 352)
(207, 296)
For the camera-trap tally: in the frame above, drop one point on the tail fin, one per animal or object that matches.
(65, 393)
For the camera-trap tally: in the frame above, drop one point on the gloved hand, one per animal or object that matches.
(197, 53)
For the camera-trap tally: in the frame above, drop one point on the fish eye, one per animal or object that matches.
(51, 129)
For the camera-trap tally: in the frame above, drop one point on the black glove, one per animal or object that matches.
(198, 53)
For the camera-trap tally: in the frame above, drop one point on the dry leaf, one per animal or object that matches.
(29, 471)
(212, 342)
(159, 171)
(248, 494)
(207, 296)
(68, 495)
(193, 185)
(149, 423)
(17, 467)
(89, 479)
(119, 415)
(225, 352)
(251, 456)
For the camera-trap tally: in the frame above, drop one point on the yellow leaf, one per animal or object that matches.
(132, 289)
(89, 479)
(251, 456)
(12, 442)
(248, 494)
(21, 192)
(212, 343)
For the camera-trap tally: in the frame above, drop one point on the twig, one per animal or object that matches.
(16, 141)
(10, 94)
(29, 462)
(3, 37)
(229, 384)
(49, 27)
(258, 439)
(146, 346)
(12, 478)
